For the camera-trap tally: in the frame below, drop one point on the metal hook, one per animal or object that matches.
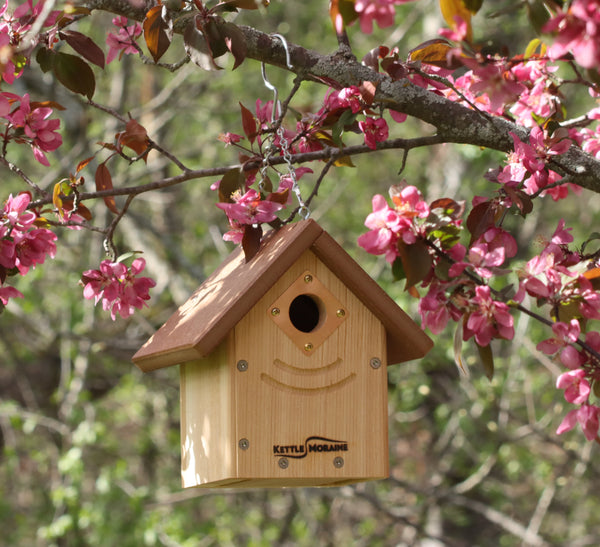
(268, 84)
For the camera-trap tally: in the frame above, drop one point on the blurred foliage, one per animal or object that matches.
(90, 445)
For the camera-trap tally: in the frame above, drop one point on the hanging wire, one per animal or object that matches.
(303, 210)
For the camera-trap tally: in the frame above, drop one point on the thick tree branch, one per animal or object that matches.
(454, 123)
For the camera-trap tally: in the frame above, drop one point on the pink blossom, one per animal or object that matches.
(578, 32)
(122, 43)
(349, 97)
(9, 292)
(286, 182)
(535, 102)
(40, 132)
(250, 208)
(15, 211)
(565, 335)
(22, 245)
(436, 310)
(577, 388)
(384, 225)
(388, 225)
(587, 416)
(236, 234)
(380, 11)
(33, 247)
(457, 34)
(230, 138)
(375, 130)
(497, 83)
(119, 287)
(489, 319)
(487, 253)
(561, 235)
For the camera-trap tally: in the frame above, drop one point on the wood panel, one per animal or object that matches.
(207, 414)
(289, 402)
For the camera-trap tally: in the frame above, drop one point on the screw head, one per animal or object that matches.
(375, 362)
(283, 463)
(340, 312)
(338, 462)
(308, 347)
(244, 444)
(275, 312)
(242, 365)
(308, 278)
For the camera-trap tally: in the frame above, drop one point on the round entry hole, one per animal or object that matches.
(305, 312)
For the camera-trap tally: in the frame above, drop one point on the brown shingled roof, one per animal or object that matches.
(200, 324)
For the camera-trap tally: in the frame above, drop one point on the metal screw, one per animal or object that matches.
(338, 462)
(340, 313)
(242, 365)
(275, 311)
(283, 463)
(375, 362)
(308, 347)
(308, 278)
(244, 444)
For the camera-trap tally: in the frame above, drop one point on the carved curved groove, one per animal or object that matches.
(306, 390)
(307, 371)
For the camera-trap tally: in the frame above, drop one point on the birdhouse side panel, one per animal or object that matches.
(207, 414)
(317, 415)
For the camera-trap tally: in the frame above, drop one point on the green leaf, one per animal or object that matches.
(74, 73)
(473, 5)
(45, 58)
(538, 14)
(594, 236)
(487, 359)
(457, 346)
(232, 181)
(398, 270)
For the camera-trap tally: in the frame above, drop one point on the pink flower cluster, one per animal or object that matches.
(578, 33)
(380, 11)
(387, 225)
(13, 27)
(577, 391)
(22, 244)
(122, 43)
(550, 279)
(28, 123)
(248, 208)
(119, 287)
(526, 167)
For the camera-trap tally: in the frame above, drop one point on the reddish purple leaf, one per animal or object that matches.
(84, 45)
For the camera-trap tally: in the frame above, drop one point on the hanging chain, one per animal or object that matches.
(270, 147)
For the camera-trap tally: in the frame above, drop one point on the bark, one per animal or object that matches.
(452, 122)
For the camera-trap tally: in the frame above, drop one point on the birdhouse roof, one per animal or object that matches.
(200, 324)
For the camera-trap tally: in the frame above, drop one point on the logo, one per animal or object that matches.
(311, 444)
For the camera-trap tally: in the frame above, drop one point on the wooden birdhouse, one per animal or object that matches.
(283, 366)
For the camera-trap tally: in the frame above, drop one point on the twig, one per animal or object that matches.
(27, 180)
(303, 157)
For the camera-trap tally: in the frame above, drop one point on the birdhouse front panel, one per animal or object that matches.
(311, 391)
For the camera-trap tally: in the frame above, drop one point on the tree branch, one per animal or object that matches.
(454, 122)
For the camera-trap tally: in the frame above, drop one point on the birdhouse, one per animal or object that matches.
(283, 366)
